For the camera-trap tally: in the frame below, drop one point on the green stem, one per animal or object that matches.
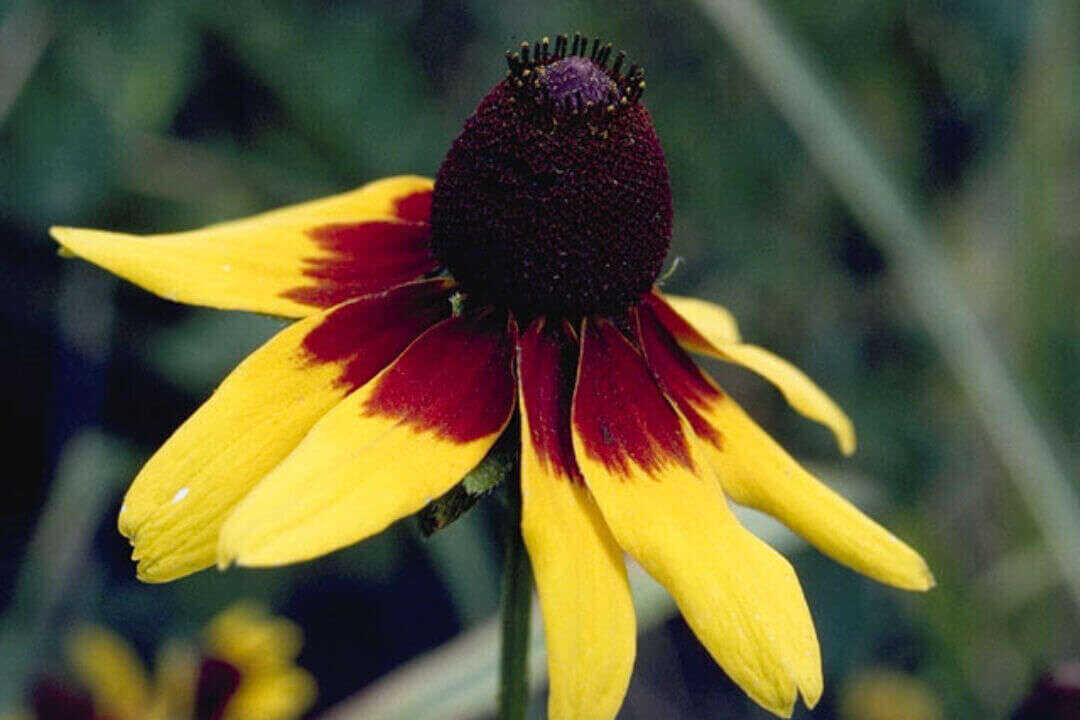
(517, 601)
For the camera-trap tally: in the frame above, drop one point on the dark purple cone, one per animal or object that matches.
(555, 198)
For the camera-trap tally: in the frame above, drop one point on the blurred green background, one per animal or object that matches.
(151, 115)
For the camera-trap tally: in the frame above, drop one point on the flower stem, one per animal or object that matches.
(517, 607)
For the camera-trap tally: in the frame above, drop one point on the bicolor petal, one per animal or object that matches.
(697, 323)
(292, 262)
(175, 508)
(385, 451)
(589, 624)
(755, 471)
(108, 666)
(701, 334)
(640, 461)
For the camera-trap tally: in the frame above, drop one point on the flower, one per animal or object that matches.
(243, 669)
(886, 694)
(1055, 695)
(521, 282)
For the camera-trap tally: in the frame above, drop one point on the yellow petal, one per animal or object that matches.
(176, 672)
(589, 624)
(757, 472)
(281, 695)
(714, 323)
(177, 504)
(247, 636)
(112, 671)
(703, 331)
(740, 597)
(385, 451)
(291, 262)
(754, 470)
(799, 390)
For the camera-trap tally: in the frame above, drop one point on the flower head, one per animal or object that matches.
(519, 283)
(555, 197)
(243, 669)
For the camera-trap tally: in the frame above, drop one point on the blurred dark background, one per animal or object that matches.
(151, 115)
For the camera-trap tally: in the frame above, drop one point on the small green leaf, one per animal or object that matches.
(478, 482)
(486, 476)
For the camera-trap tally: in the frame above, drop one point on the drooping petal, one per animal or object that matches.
(386, 450)
(641, 463)
(291, 262)
(177, 504)
(754, 470)
(589, 624)
(111, 670)
(697, 323)
(696, 331)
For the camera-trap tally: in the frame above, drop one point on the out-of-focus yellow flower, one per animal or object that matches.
(264, 649)
(889, 695)
(243, 668)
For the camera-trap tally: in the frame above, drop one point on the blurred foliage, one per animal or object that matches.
(146, 114)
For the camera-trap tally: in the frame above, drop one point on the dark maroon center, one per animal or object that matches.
(217, 683)
(555, 198)
(55, 699)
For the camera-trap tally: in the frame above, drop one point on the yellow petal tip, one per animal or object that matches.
(127, 525)
(226, 558)
(846, 440)
(148, 578)
(811, 696)
(928, 580)
(66, 236)
(917, 577)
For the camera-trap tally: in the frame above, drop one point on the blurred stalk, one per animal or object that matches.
(517, 608)
(24, 35)
(922, 270)
(1044, 156)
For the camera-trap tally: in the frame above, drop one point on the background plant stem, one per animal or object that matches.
(517, 606)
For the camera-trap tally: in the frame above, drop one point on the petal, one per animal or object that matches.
(284, 694)
(111, 670)
(697, 323)
(589, 624)
(252, 639)
(754, 470)
(291, 262)
(177, 504)
(739, 596)
(685, 320)
(176, 672)
(385, 451)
